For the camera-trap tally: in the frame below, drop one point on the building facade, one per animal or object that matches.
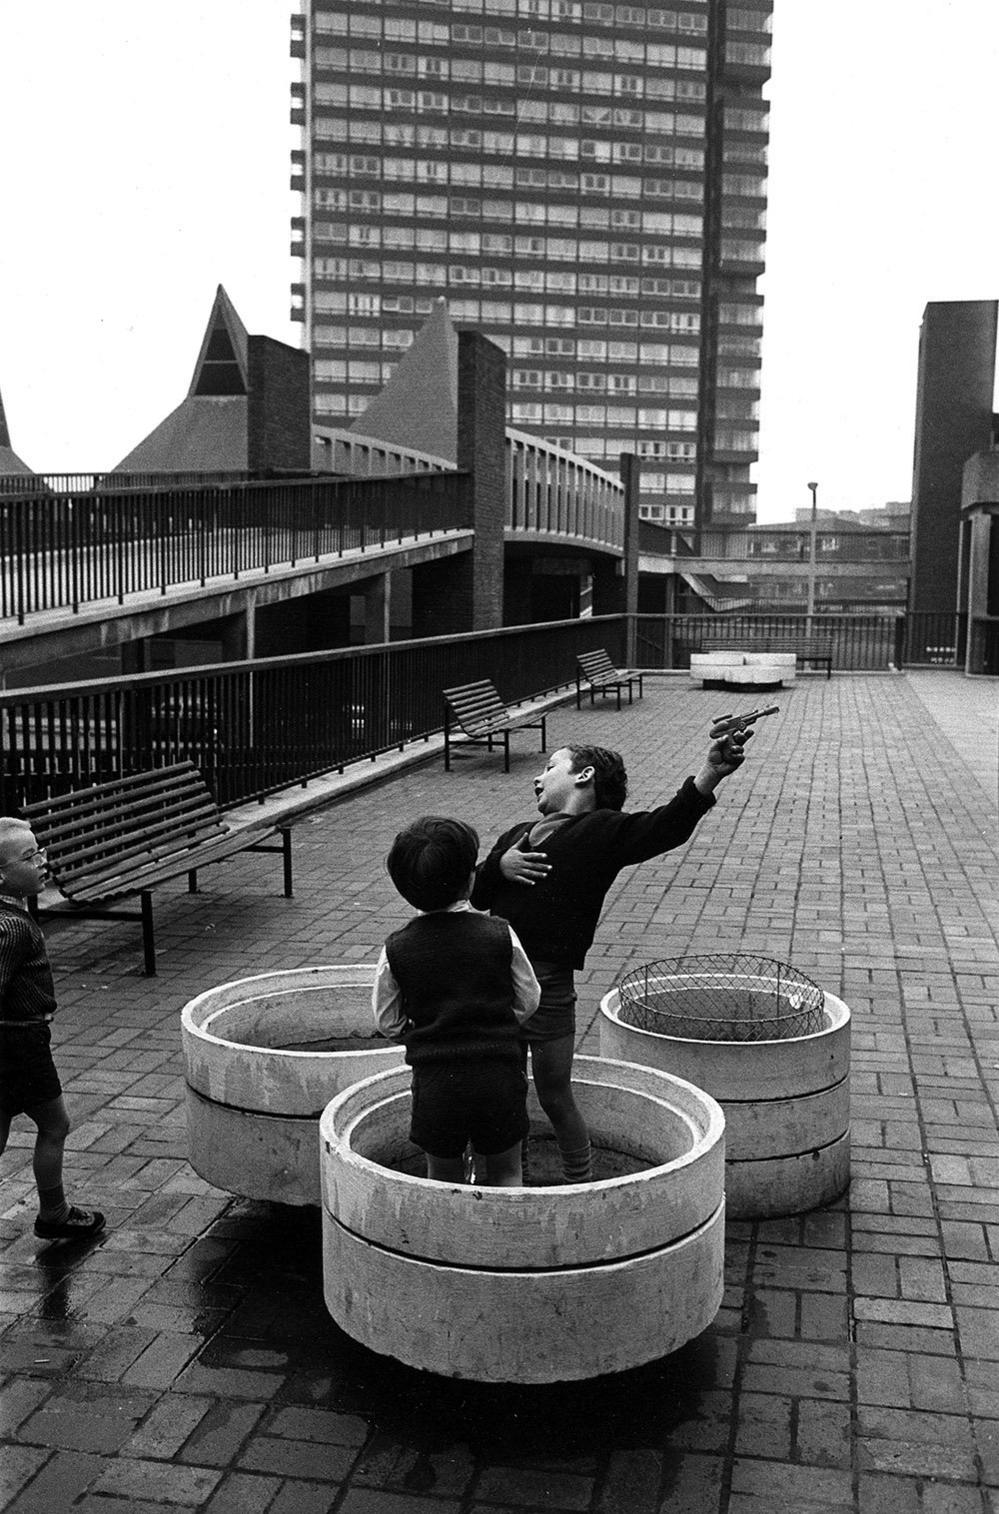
(954, 420)
(583, 182)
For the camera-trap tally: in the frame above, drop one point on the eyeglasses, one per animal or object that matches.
(36, 856)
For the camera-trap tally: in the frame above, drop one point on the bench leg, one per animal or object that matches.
(579, 692)
(447, 746)
(148, 944)
(544, 733)
(286, 859)
(506, 750)
(192, 881)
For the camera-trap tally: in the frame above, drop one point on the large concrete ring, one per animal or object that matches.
(786, 1103)
(532, 1284)
(257, 1081)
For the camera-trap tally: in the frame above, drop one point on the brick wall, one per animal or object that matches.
(278, 426)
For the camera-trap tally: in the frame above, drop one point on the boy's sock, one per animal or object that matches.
(577, 1165)
(52, 1205)
(525, 1161)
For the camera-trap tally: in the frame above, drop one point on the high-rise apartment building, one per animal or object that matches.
(583, 182)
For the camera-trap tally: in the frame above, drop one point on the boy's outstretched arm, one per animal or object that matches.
(724, 756)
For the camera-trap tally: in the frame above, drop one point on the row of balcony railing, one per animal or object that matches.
(255, 728)
(71, 540)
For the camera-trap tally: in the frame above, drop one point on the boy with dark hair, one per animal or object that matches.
(549, 879)
(455, 987)
(29, 1083)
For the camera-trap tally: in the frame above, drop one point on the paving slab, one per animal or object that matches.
(187, 1361)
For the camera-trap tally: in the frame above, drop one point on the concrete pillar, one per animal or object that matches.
(377, 610)
(631, 475)
(482, 453)
(239, 632)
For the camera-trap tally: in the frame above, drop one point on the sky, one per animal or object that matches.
(144, 159)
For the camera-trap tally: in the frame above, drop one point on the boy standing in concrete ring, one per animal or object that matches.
(455, 986)
(549, 879)
(29, 1083)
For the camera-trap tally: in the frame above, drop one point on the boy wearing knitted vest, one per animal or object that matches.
(29, 1083)
(455, 987)
(548, 878)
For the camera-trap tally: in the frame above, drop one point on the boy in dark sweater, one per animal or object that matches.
(549, 879)
(29, 1083)
(455, 987)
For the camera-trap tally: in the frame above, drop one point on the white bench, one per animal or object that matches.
(755, 670)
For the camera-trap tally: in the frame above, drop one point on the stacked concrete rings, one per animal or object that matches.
(786, 1103)
(261, 1063)
(528, 1285)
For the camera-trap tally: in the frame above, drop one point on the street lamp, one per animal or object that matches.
(811, 561)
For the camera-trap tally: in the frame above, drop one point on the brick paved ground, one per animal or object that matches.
(188, 1363)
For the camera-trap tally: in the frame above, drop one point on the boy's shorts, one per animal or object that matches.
(28, 1076)
(555, 1016)
(484, 1102)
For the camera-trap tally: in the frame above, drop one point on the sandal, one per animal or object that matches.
(78, 1225)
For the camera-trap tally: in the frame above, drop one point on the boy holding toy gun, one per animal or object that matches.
(549, 877)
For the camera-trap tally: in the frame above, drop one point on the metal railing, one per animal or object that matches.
(59, 551)
(254, 728)
(554, 493)
(549, 492)
(83, 483)
(935, 640)
(773, 544)
(856, 642)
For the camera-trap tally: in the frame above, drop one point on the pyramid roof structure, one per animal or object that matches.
(418, 407)
(208, 431)
(9, 460)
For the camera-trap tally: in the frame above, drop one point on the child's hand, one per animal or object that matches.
(524, 867)
(726, 754)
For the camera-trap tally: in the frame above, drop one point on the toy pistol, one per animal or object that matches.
(729, 725)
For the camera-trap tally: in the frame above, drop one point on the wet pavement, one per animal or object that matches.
(187, 1362)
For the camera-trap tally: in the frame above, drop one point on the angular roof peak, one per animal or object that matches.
(9, 460)
(222, 369)
(418, 407)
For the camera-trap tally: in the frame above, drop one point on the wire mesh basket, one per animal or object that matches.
(728, 997)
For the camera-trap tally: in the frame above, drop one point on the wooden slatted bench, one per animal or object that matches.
(604, 678)
(478, 711)
(125, 836)
(816, 650)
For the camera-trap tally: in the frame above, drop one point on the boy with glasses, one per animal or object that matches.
(29, 1083)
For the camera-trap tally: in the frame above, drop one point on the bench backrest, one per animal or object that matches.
(477, 706)
(805, 646)
(596, 665)
(95, 833)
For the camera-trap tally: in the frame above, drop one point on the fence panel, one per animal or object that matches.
(254, 728)
(859, 643)
(64, 550)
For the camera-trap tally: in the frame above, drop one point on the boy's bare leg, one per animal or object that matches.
(57, 1218)
(551, 1067)
(446, 1169)
(503, 1168)
(52, 1121)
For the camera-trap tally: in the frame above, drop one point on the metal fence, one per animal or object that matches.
(254, 728)
(64, 550)
(857, 642)
(257, 727)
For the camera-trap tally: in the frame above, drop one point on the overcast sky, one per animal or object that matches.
(145, 160)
